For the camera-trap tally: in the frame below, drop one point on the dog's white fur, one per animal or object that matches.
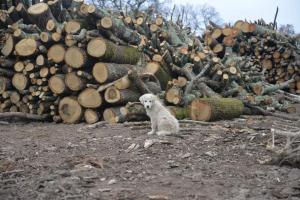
(162, 121)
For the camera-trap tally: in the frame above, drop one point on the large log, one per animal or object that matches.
(115, 96)
(74, 82)
(70, 110)
(108, 72)
(90, 98)
(26, 47)
(76, 57)
(211, 109)
(57, 84)
(108, 51)
(40, 13)
(56, 53)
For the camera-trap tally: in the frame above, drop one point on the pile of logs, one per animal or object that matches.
(69, 61)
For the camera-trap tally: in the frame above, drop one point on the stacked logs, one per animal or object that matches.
(275, 55)
(69, 61)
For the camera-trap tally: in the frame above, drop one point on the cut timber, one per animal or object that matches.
(91, 116)
(113, 115)
(26, 47)
(156, 69)
(74, 82)
(5, 84)
(70, 110)
(108, 72)
(101, 48)
(56, 53)
(90, 98)
(40, 13)
(56, 8)
(116, 96)
(72, 27)
(57, 84)
(211, 109)
(8, 47)
(174, 95)
(134, 112)
(75, 57)
(20, 81)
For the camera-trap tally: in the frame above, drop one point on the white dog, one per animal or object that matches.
(162, 121)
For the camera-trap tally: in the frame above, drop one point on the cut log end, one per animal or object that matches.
(56, 53)
(26, 47)
(70, 110)
(90, 98)
(75, 57)
(96, 47)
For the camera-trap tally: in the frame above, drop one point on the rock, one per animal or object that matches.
(112, 181)
(148, 143)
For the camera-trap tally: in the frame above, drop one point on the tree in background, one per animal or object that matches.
(130, 5)
(287, 29)
(196, 17)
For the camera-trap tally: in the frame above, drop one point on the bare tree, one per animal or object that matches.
(130, 5)
(195, 17)
(287, 29)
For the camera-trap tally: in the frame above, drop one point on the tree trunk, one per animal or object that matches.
(108, 51)
(212, 109)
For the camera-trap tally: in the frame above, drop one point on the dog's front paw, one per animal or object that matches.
(163, 133)
(151, 133)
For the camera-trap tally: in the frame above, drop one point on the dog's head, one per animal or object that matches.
(148, 100)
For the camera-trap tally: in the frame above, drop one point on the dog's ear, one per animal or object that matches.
(141, 99)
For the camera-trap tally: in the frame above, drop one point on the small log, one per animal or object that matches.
(90, 98)
(74, 82)
(115, 96)
(5, 84)
(113, 115)
(91, 116)
(8, 47)
(280, 86)
(156, 69)
(174, 95)
(57, 84)
(20, 81)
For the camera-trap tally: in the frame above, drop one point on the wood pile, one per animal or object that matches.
(69, 61)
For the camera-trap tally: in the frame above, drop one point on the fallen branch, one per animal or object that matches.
(23, 116)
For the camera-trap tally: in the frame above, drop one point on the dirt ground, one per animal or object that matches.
(222, 160)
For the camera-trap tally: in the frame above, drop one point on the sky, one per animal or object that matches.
(233, 10)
